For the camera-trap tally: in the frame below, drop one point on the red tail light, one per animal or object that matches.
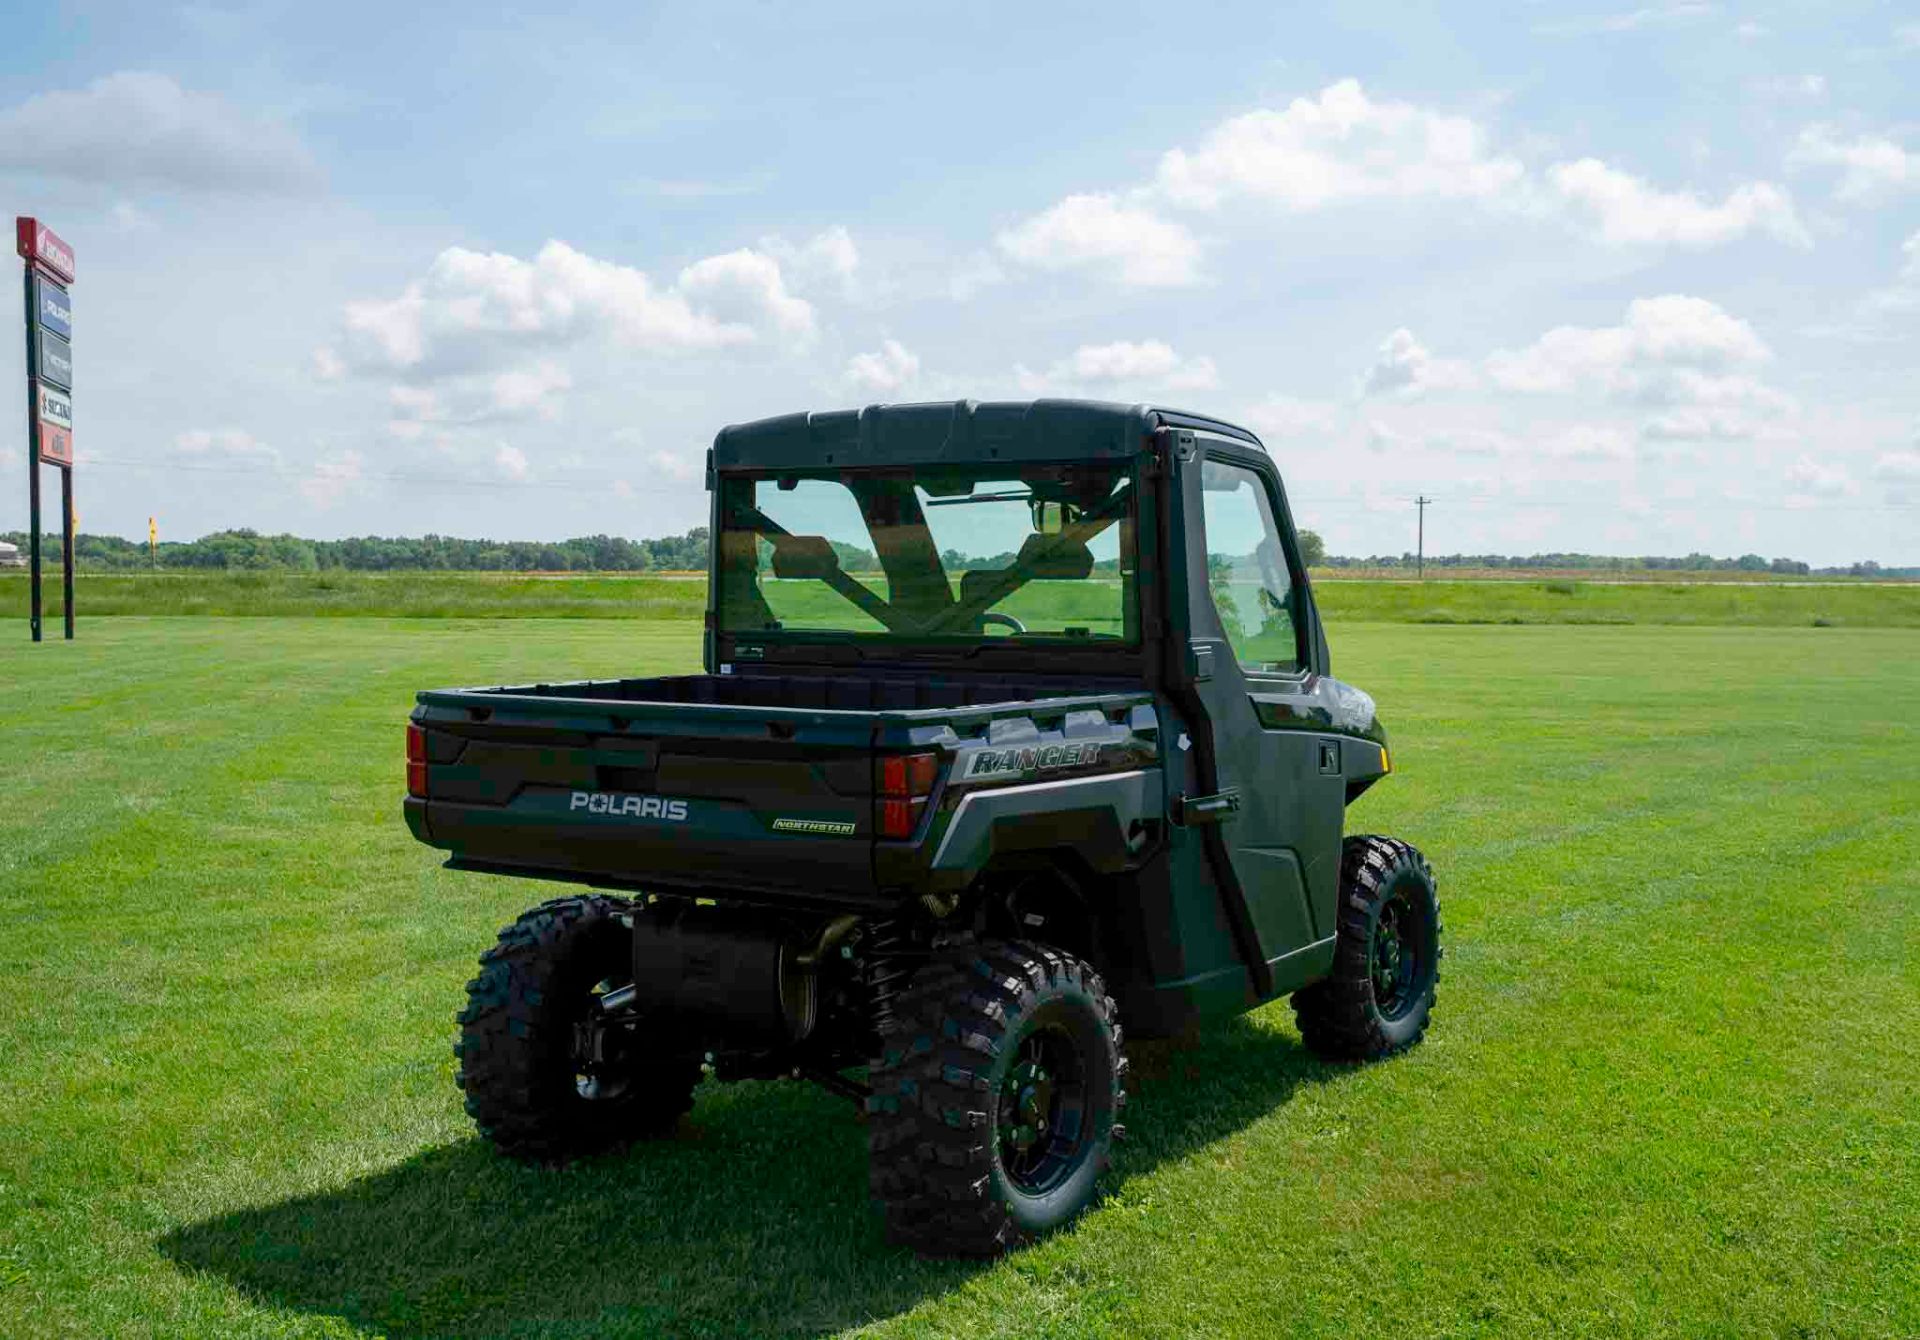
(904, 783)
(897, 817)
(416, 761)
(908, 774)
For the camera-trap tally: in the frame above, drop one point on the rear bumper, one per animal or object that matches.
(811, 900)
(720, 850)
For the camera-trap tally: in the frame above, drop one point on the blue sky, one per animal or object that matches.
(1623, 278)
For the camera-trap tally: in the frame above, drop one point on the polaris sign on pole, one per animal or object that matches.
(49, 269)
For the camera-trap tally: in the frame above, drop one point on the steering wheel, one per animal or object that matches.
(1004, 620)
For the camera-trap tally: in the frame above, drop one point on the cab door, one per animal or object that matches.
(1253, 652)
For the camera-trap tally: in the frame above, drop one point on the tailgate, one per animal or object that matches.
(651, 794)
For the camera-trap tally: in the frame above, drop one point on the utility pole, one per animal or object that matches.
(1422, 502)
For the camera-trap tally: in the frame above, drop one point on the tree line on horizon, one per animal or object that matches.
(251, 551)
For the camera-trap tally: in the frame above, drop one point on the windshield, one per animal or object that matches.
(988, 551)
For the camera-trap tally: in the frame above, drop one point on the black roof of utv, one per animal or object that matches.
(952, 432)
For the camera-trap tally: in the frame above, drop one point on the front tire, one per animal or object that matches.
(996, 1099)
(1379, 997)
(529, 1088)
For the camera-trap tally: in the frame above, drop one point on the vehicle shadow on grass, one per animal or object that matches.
(755, 1221)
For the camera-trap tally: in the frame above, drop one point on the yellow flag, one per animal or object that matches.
(153, 531)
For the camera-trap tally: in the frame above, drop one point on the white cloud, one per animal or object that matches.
(1403, 367)
(1697, 424)
(1127, 241)
(1809, 478)
(1278, 418)
(1788, 86)
(888, 368)
(1625, 210)
(1669, 341)
(1899, 467)
(222, 441)
(1689, 372)
(332, 477)
(975, 274)
(473, 308)
(1122, 366)
(748, 286)
(1627, 21)
(1579, 441)
(1467, 441)
(1870, 165)
(834, 252)
(1907, 37)
(1590, 442)
(388, 331)
(520, 390)
(576, 292)
(1342, 146)
(1903, 294)
(127, 217)
(677, 468)
(516, 392)
(830, 254)
(1383, 436)
(1336, 147)
(416, 402)
(480, 335)
(139, 129)
(1149, 360)
(511, 462)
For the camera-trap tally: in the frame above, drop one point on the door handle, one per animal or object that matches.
(1192, 811)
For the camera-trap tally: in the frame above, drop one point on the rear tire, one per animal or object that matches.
(995, 1099)
(1380, 994)
(528, 1090)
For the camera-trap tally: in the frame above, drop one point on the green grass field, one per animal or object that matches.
(1673, 1086)
(652, 596)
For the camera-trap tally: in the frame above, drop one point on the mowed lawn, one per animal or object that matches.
(1673, 1085)
(1684, 600)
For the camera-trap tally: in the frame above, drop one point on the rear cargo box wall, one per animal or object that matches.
(846, 692)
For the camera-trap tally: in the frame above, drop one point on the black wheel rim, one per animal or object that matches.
(599, 1052)
(1395, 957)
(1042, 1105)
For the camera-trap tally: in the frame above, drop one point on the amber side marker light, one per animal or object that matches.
(904, 782)
(416, 761)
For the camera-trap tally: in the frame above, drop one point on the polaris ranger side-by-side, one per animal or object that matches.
(1017, 727)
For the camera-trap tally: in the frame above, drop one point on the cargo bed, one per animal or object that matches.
(756, 785)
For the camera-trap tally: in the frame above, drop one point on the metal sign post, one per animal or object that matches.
(49, 312)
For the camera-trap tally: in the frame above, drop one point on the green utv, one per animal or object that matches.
(1017, 727)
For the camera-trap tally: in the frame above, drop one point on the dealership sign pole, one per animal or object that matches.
(49, 270)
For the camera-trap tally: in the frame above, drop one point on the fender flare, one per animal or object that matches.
(1115, 801)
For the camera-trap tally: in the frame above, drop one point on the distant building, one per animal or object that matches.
(10, 556)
